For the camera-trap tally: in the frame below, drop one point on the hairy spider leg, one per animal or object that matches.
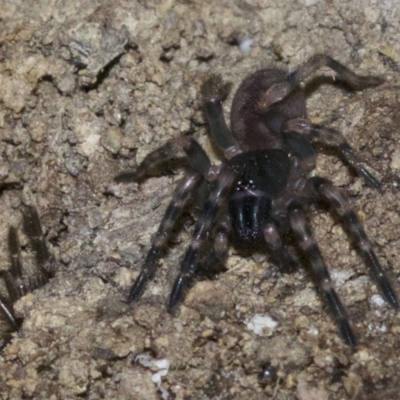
(214, 91)
(13, 277)
(17, 284)
(6, 310)
(273, 238)
(196, 156)
(338, 201)
(14, 324)
(279, 91)
(220, 248)
(221, 237)
(302, 230)
(191, 262)
(44, 261)
(14, 282)
(335, 139)
(193, 181)
(181, 197)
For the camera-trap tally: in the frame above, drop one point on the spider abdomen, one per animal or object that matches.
(256, 126)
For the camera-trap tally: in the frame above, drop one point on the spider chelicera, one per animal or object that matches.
(259, 196)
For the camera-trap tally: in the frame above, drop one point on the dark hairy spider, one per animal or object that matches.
(17, 281)
(259, 196)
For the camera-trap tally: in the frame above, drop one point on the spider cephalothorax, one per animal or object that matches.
(260, 195)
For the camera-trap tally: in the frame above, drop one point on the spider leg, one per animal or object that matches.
(273, 239)
(302, 230)
(280, 90)
(214, 92)
(191, 262)
(44, 261)
(338, 201)
(220, 246)
(13, 280)
(6, 310)
(181, 196)
(333, 138)
(16, 284)
(197, 158)
(13, 277)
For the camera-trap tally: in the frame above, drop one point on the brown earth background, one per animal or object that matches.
(87, 89)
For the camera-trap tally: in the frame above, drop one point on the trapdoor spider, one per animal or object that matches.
(260, 194)
(17, 282)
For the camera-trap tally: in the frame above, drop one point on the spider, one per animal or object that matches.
(259, 196)
(17, 282)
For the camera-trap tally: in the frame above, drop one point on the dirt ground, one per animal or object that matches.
(87, 89)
